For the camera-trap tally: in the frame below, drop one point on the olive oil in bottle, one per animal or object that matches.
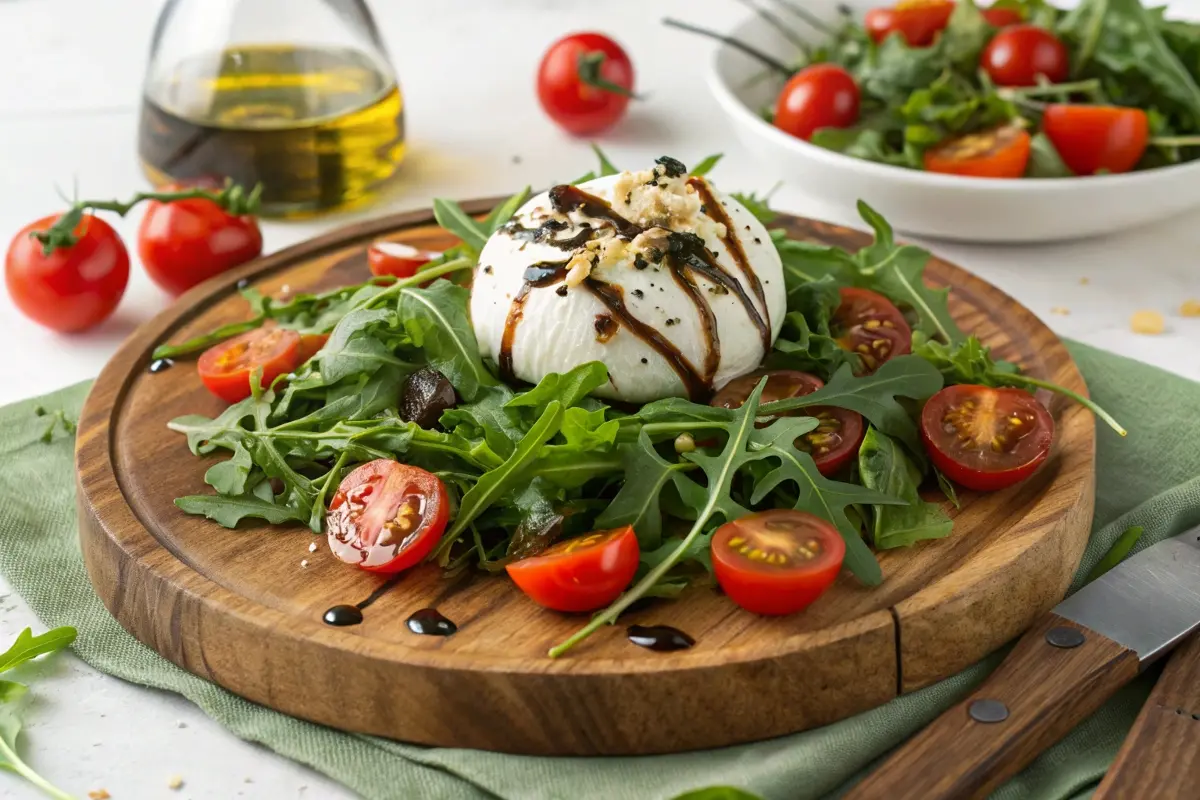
(321, 128)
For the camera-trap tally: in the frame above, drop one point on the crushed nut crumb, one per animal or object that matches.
(1150, 323)
(1190, 308)
(1084, 281)
(304, 564)
(99, 794)
(312, 548)
(1060, 310)
(175, 782)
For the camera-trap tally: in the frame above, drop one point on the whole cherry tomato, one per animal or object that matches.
(995, 153)
(1020, 54)
(985, 438)
(918, 21)
(387, 516)
(580, 574)
(185, 242)
(1092, 139)
(777, 562)
(584, 82)
(72, 288)
(1002, 17)
(820, 96)
(226, 369)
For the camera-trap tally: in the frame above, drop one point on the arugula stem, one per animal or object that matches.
(21, 768)
(1025, 380)
(1050, 89)
(454, 265)
(1176, 141)
(773, 63)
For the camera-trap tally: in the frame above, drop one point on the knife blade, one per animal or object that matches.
(1063, 669)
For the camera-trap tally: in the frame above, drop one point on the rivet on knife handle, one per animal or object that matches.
(1044, 687)
(1161, 755)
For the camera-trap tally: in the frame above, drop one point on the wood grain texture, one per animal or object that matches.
(1161, 755)
(1047, 691)
(237, 607)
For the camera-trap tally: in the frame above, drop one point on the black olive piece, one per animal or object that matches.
(425, 395)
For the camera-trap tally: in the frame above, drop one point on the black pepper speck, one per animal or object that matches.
(638, 293)
(561, 291)
(488, 269)
(757, 240)
(645, 361)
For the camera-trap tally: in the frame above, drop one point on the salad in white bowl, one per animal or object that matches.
(1018, 122)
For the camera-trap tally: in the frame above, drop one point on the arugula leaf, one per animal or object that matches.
(11, 696)
(606, 166)
(438, 321)
(502, 213)
(229, 511)
(229, 477)
(1117, 553)
(758, 206)
(637, 503)
(883, 466)
(589, 430)
(28, 647)
(897, 273)
(706, 165)
(947, 488)
(720, 471)
(494, 483)
(874, 396)
(458, 222)
(818, 495)
(568, 388)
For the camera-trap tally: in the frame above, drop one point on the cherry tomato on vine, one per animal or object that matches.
(226, 368)
(1003, 17)
(584, 82)
(867, 323)
(777, 562)
(918, 21)
(820, 96)
(580, 574)
(397, 259)
(387, 516)
(1091, 139)
(984, 438)
(1020, 54)
(73, 288)
(995, 153)
(839, 431)
(186, 242)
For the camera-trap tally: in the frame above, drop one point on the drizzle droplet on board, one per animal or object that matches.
(343, 615)
(160, 364)
(660, 638)
(430, 622)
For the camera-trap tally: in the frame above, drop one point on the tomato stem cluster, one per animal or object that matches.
(590, 64)
(234, 199)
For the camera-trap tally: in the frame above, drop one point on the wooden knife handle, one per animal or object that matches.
(1161, 755)
(1058, 674)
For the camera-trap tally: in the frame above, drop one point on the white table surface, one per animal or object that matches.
(69, 93)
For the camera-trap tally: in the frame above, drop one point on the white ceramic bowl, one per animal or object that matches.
(921, 203)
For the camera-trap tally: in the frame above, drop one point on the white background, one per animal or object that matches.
(70, 75)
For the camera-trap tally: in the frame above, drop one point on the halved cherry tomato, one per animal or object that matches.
(185, 242)
(74, 287)
(387, 516)
(868, 324)
(839, 431)
(918, 21)
(397, 259)
(584, 82)
(580, 574)
(1095, 138)
(226, 368)
(820, 96)
(777, 562)
(996, 153)
(1002, 17)
(310, 345)
(985, 438)
(1020, 54)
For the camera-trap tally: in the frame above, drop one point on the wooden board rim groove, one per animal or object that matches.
(98, 451)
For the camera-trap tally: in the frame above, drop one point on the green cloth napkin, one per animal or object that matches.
(1150, 479)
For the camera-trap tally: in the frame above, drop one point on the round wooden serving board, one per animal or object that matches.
(239, 608)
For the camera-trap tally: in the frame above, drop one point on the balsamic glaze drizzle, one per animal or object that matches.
(686, 258)
(660, 638)
(430, 622)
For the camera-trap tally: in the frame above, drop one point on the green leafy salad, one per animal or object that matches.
(1020, 88)
(496, 474)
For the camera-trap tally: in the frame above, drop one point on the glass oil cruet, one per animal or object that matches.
(297, 95)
